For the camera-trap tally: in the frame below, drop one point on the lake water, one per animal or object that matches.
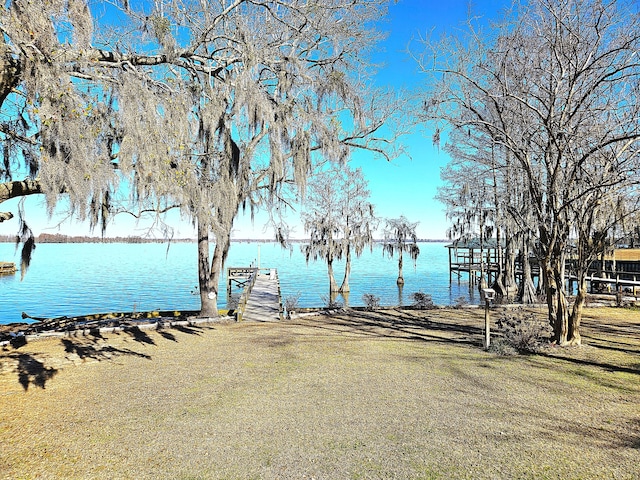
(85, 278)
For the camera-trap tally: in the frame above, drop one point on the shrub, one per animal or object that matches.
(502, 347)
(422, 300)
(522, 331)
(460, 302)
(371, 301)
(291, 303)
(331, 303)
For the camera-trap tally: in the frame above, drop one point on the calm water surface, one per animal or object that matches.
(85, 278)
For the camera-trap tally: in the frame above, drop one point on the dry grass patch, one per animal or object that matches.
(391, 394)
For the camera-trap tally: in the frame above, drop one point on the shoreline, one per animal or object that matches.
(18, 333)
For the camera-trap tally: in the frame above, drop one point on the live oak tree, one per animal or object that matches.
(399, 238)
(556, 86)
(197, 105)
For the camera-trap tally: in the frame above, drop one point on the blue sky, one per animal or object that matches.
(405, 186)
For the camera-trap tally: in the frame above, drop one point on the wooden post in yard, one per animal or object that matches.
(488, 294)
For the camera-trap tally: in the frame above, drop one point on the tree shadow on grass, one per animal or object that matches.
(31, 371)
(633, 441)
(138, 335)
(466, 327)
(615, 337)
(167, 335)
(634, 370)
(190, 329)
(89, 350)
(405, 324)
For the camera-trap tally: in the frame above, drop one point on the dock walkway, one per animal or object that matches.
(263, 303)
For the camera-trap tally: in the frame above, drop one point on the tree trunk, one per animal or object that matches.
(217, 264)
(482, 284)
(574, 337)
(400, 294)
(499, 281)
(509, 275)
(556, 298)
(333, 286)
(400, 280)
(344, 288)
(208, 300)
(527, 288)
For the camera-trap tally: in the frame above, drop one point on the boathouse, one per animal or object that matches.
(618, 271)
(473, 257)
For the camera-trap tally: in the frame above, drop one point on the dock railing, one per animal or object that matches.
(246, 292)
(246, 277)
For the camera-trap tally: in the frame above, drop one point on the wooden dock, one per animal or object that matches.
(261, 300)
(612, 284)
(239, 277)
(7, 268)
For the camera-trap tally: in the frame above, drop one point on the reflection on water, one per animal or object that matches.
(77, 279)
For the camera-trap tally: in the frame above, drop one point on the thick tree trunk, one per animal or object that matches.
(499, 285)
(217, 264)
(556, 298)
(527, 291)
(400, 294)
(344, 288)
(208, 300)
(400, 280)
(482, 284)
(333, 286)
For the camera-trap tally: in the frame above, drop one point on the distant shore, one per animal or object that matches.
(60, 238)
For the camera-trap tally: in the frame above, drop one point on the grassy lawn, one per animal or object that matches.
(390, 394)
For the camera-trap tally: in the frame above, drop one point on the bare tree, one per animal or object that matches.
(547, 88)
(187, 104)
(399, 238)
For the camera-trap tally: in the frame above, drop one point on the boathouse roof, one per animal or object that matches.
(474, 243)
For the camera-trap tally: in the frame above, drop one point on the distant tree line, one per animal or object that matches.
(59, 238)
